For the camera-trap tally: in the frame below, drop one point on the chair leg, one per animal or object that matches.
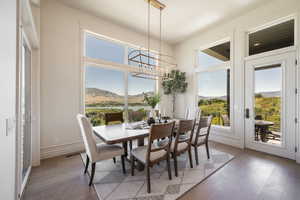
(123, 164)
(175, 165)
(93, 173)
(169, 167)
(114, 159)
(87, 164)
(190, 157)
(130, 145)
(148, 180)
(132, 165)
(207, 150)
(196, 155)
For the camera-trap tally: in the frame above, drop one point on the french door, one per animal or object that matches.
(270, 104)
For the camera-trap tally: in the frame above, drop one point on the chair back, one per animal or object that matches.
(160, 131)
(226, 121)
(203, 128)
(184, 132)
(87, 135)
(198, 114)
(187, 113)
(114, 117)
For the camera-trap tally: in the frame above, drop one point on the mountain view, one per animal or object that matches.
(99, 97)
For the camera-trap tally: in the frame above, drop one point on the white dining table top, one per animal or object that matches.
(118, 133)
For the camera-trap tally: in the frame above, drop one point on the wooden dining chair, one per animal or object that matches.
(97, 152)
(201, 135)
(182, 141)
(154, 152)
(116, 118)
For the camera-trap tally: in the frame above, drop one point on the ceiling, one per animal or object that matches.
(181, 18)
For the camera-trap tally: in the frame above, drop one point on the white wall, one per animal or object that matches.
(185, 54)
(8, 86)
(60, 72)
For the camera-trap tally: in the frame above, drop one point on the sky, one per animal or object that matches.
(108, 79)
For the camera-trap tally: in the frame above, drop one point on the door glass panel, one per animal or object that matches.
(26, 108)
(267, 106)
(137, 87)
(104, 93)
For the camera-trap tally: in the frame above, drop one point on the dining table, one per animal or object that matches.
(122, 134)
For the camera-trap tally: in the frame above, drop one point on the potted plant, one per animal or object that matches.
(174, 83)
(152, 101)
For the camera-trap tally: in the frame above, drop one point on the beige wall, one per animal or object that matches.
(236, 29)
(60, 72)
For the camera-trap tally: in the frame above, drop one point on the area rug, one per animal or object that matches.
(111, 184)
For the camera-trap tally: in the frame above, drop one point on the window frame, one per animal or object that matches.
(217, 129)
(125, 68)
(266, 26)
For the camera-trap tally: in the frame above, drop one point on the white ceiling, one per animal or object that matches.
(181, 18)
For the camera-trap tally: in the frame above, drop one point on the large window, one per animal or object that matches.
(214, 83)
(113, 88)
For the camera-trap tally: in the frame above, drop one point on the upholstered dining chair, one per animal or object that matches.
(116, 118)
(201, 135)
(187, 113)
(182, 141)
(155, 151)
(97, 152)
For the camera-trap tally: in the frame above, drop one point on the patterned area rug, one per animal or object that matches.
(111, 184)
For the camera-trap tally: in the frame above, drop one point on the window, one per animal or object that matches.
(103, 49)
(104, 92)
(137, 87)
(272, 38)
(214, 83)
(105, 86)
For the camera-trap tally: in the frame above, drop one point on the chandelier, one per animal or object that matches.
(151, 65)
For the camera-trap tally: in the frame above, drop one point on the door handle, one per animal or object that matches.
(247, 114)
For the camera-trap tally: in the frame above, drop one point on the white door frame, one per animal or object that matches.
(286, 59)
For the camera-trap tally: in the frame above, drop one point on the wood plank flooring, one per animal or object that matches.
(250, 176)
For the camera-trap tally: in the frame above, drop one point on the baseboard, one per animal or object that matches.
(62, 149)
(231, 141)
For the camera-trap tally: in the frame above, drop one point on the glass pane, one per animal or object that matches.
(214, 56)
(103, 49)
(26, 108)
(268, 84)
(214, 95)
(104, 93)
(275, 37)
(137, 108)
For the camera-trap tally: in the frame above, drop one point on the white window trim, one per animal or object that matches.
(101, 63)
(216, 129)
